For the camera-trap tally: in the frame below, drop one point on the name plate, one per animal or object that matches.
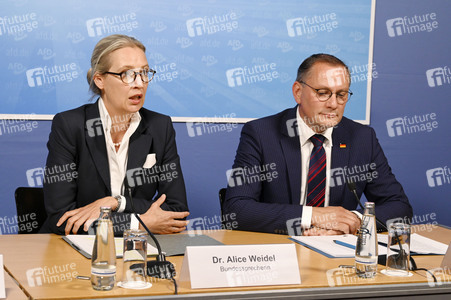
(240, 265)
(2, 279)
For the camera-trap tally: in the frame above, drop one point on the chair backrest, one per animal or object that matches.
(30, 208)
(222, 193)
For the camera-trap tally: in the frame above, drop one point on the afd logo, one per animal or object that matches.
(35, 77)
(438, 76)
(35, 177)
(438, 176)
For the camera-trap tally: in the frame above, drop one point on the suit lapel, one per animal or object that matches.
(340, 158)
(139, 146)
(291, 148)
(95, 140)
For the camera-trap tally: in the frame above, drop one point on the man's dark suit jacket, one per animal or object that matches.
(265, 205)
(77, 140)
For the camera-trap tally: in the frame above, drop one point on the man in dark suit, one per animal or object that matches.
(294, 166)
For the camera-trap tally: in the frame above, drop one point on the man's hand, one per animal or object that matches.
(315, 231)
(162, 221)
(334, 220)
(85, 215)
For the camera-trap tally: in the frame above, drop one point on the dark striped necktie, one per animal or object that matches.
(316, 186)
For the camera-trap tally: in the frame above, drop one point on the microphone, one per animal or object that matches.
(159, 268)
(382, 259)
(353, 189)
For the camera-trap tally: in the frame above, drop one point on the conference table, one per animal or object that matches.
(321, 277)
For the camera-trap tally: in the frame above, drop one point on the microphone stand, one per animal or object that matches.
(159, 268)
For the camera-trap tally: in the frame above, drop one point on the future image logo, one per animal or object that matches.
(110, 25)
(294, 227)
(308, 25)
(357, 173)
(252, 174)
(35, 177)
(411, 124)
(198, 127)
(336, 77)
(438, 76)
(46, 75)
(438, 176)
(18, 25)
(252, 74)
(94, 127)
(410, 25)
(210, 25)
(53, 274)
(35, 277)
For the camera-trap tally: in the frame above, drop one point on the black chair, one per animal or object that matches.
(30, 208)
(222, 193)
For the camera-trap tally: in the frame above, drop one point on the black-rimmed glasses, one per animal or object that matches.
(325, 94)
(129, 76)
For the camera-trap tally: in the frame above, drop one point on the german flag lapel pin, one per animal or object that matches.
(342, 146)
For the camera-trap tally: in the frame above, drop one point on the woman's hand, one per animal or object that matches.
(85, 215)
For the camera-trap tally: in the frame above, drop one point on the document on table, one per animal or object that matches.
(419, 245)
(85, 243)
(326, 245)
(346, 247)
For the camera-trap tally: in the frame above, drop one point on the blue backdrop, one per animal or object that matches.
(212, 57)
(409, 109)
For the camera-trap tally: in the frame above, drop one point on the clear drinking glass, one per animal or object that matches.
(398, 250)
(134, 272)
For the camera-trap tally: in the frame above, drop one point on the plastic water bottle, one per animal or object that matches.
(366, 248)
(103, 261)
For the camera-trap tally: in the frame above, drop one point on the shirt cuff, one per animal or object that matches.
(358, 214)
(306, 218)
(134, 223)
(123, 202)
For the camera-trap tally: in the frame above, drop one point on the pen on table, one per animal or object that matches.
(344, 244)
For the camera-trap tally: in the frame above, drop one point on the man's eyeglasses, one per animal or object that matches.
(325, 94)
(129, 76)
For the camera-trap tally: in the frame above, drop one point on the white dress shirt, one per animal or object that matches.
(305, 133)
(117, 161)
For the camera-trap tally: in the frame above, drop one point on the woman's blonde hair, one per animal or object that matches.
(100, 62)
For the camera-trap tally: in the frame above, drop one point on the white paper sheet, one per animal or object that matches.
(86, 243)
